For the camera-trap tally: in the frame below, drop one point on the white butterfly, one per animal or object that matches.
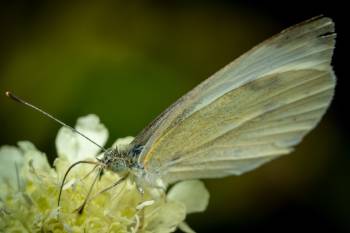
(254, 110)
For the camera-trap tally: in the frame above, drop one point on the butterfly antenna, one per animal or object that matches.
(19, 100)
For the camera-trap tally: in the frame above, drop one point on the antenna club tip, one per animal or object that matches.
(8, 93)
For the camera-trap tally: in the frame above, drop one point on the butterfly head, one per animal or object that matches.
(116, 160)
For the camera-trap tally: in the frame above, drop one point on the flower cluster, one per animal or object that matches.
(29, 189)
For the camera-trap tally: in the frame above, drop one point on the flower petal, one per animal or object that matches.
(145, 204)
(11, 160)
(166, 218)
(74, 146)
(37, 159)
(192, 193)
(184, 227)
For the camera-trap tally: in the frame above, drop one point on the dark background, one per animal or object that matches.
(127, 61)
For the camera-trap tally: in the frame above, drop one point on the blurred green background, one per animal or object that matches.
(128, 61)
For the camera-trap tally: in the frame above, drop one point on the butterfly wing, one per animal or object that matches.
(253, 110)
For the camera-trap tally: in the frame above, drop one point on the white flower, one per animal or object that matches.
(29, 189)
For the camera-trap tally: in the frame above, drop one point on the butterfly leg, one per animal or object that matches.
(111, 186)
(87, 199)
(80, 209)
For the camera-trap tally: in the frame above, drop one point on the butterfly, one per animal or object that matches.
(255, 109)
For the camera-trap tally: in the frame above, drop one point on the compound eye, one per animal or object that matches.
(136, 150)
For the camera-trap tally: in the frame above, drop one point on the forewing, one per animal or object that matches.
(265, 124)
(251, 111)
